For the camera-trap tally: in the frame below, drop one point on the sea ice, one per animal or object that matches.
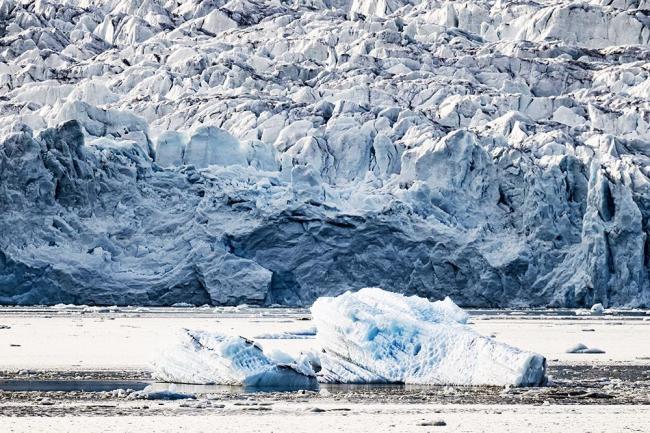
(200, 357)
(374, 336)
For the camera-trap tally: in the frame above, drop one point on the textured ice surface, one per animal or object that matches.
(248, 151)
(382, 337)
(200, 357)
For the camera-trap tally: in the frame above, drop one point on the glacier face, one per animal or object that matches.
(261, 152)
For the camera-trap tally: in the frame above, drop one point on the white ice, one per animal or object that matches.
(200, 357)
(597, 309)
(581, 348)
(381, 337)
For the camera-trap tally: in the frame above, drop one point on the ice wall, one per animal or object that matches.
(272, 152)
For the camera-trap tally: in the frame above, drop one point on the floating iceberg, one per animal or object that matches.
(201, 357)
(374, 336)
(371, 336)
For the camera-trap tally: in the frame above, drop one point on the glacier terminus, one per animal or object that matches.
(155, 152)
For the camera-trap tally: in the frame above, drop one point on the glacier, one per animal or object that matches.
(375, 336)
(155, 152)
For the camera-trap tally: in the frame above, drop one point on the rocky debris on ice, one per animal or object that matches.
(200, 357)
(375, 336)
(436, 423)
(245, 151)
(581, 348)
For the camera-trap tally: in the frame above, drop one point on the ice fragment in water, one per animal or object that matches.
(200, 357)
(375, 336)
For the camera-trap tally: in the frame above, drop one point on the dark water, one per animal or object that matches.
(570, 384)
(38, 385)
(17, 385)
(28, 385)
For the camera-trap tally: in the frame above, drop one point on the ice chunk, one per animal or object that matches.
(201, 357)
(217, 22)
(381, 337)
(581, 348)
(597, 309)
(295, 335)
(170, 148)
(568, 117)
(151, 393)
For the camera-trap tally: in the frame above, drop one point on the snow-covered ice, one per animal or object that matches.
(200, 357)
(374, 336)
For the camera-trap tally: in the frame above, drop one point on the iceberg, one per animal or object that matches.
(369, 336)
(375, 336)
(209, 358)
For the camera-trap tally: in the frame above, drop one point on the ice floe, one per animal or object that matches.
(581, 348)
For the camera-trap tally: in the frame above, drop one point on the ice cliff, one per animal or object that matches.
(261, 152)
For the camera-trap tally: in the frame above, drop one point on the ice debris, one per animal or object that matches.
(375, 336)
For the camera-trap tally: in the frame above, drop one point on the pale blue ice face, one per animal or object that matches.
(273, 152)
